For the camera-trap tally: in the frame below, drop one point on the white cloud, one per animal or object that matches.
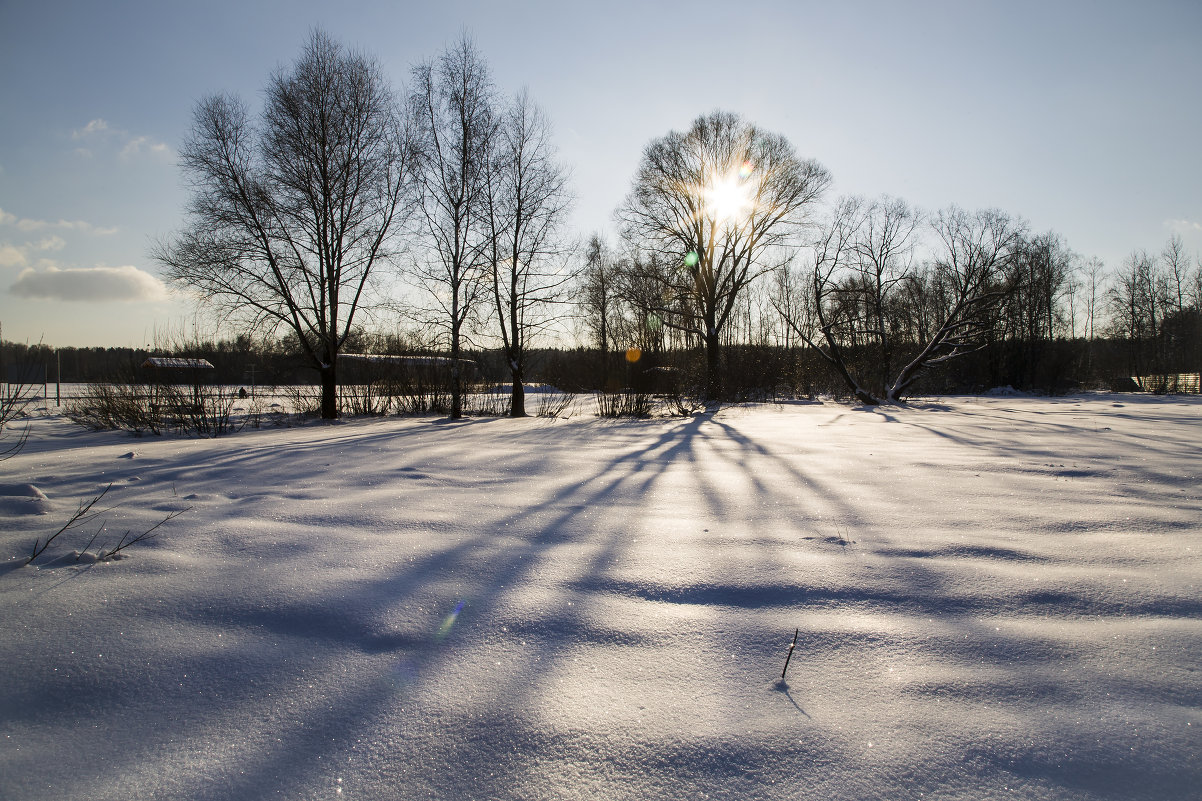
(1183, 226)
(29, 225)
(99, 134)
(18, 255)
(126, 283)
(143, 143)
(11, 256)
(50, 243)
(94, 127)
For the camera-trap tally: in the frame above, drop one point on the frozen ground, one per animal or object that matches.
(997, 598)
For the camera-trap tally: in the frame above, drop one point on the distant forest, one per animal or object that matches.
(752, 370)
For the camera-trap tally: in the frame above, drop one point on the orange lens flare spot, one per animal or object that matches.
(633, 354)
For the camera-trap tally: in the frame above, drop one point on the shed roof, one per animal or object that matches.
(170, 361)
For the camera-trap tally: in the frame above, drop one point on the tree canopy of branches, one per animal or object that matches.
(712, 204)
(527, 203)
(599, 299)
(862, 258)
(866, 298)
(453, 107)
(290, 218)
(1034, 311)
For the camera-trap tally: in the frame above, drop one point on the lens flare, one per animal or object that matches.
(691, 258)
(746, 170)
(449, 622)
(654, 321)
(633, 354)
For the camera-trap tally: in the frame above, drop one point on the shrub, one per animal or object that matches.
(624, 403)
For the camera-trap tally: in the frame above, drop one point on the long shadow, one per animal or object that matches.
(339, 623)
(511, 551)
(782, 686)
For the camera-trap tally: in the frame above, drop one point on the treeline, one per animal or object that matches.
(753, 372)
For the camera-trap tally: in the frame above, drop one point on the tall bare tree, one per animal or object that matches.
(599, 298)
(714, 203)
(1040, 280)
(528, 202)
(455, 121)
(806, 303)
(1093, 289)
(1136, 300)
(942, 310)
(1195, 286)
(1176, 268)
(290, 218)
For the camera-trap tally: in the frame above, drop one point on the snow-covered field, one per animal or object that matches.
(996, 597)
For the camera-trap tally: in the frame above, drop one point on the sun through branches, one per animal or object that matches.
(715, 203)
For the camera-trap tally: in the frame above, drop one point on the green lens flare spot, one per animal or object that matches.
(691, 258)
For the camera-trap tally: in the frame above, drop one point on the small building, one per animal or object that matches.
(172, 370)
(172, 363)
(369, 367)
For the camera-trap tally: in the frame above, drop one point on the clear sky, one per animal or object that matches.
(1082, 117)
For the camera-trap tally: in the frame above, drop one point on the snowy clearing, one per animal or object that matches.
(997, 598)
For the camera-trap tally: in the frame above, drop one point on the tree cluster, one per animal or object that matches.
(882, 294)
(733, 274)
(294, 215)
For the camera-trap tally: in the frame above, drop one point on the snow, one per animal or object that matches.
(997, 598)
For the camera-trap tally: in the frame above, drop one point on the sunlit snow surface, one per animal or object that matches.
(997, 598)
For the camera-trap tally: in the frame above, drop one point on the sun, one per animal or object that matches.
(728, 195)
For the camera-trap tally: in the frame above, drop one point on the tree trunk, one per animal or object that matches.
(713, 365)
(329, 393)
(456, 386)
(517, 401)
(456, 373)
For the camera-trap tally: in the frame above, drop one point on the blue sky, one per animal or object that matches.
(1082, 117)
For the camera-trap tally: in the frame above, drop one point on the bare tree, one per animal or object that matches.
(1196, 286)
(1152, 309)
(1094, 289)
(714, 203)
(941, 311)
(652, 310)
(1094, 280)
(455, 120)
(863, 256)
(1176, 268)
(599, 298)
(1039, 277)
(1136, 301)
(527, 202)
(290, 218)
(975, 249)
(806, 303)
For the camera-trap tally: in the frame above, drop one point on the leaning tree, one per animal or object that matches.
(291, 216)
(864, 295)
(715, 203)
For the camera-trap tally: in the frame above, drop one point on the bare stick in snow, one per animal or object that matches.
(790, 656)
